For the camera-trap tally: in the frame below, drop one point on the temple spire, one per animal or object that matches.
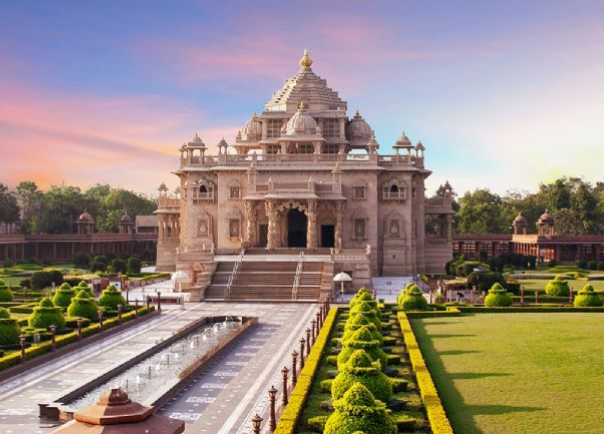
(306, 61)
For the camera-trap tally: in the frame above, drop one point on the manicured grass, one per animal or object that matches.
(539, 284)
(520, 373)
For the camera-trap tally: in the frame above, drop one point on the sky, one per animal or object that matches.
(503, 94)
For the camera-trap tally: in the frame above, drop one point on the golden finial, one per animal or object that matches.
(306, 61)
(302, 106)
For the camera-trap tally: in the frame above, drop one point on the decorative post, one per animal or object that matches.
(307, 342)
(272, 419)
(148, 302)
(119, 313)
(22, 343)
(570, 296)
(314, 327)
(159, 301)
(53, 332)
(319, 321)
(294, 363)
(302, 341)
(522, 295)
(284, 372)
(136, 308)
(79, 327)
(536, 296)
(256, 420)
(100, 319)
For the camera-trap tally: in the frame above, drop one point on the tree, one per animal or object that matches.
(9, 208)
(480, 213)
(32, 204)
(134, 266)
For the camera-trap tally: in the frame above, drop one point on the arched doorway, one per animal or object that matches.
(296, 228)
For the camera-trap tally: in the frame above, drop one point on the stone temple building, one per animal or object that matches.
(301, 194)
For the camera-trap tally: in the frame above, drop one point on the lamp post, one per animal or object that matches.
(256, 420)
(53, 333)
(22, 343)
(294, 368)
(284, 373)
(302, 342)
(341, 278)
(79, 322)
(272, 419)
(159, 301)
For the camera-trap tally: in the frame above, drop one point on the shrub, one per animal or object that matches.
(587, 298)
(557, 287)
(97, 266)
(111, 297)
(134, 266)
(484, 280)
(413, 299)
(118, 266)
(363, 296)
(7, 263)
(81, 260)
(498, 297)
(45, 315)
(83, 285)
(357, 411)
(63, 295)
(82, 305)
(9, 329)
(56, 277)
(362, 339)
(593, 265)
(5, 293)
(582, 264)
(41, 280)
(360, 369)
(366, 310)
(356, 322)
(552, 263)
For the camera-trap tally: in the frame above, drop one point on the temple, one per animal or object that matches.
(304, 184)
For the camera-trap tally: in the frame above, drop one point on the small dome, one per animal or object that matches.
(546, 218)
(126, 218)
(196, 142)
(85, 217)
(163, 187)
(403, 142)
(252, 131)
(301, 124)
(358, 131)
(520, 220)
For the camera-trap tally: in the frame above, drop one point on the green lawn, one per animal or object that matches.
(539, 284)
(519, 373)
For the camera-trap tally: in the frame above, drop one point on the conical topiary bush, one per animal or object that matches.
(82, 305)
(5, 293)
(399, 298)
(498, 297)
(413, 299)
(587, 298)
(365, 309)
(9, 328)
(357, 411)
(45, 315)
(558, 287)
(360, 369)
(111, 297)
(363, 295)
(362, 339)
(356, 322)
(63, 295)
(83, 285)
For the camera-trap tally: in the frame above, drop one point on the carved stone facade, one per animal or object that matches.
(303, 175)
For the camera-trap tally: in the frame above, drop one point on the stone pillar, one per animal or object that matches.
(250, 218)
(338, 228)
(311, 234)
(271, 213)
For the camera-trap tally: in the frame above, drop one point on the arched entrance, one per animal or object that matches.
(297, 224)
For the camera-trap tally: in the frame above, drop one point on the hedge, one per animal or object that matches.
(291, 413)
(439, 422)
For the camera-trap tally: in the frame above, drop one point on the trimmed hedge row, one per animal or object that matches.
(439, 422)
(519, 309)
(62, 340)
(291, 413)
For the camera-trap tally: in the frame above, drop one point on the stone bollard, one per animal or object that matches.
(136, 308)
(294, 368)
(256, 421)
(148, 302)
(79, 328)
(319, 321)
(302, 341)
(284, 399)
(313, 331)
(272, 420)
(159, 301)
(307, 342)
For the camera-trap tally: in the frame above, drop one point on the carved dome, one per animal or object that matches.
(546, 218)
(301, 124)
(358, 131)
(520, 220)
(126, 218)
(252, 131)
(403, 142)
(85, 217)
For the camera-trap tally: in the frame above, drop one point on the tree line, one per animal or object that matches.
(577, 207)
(56, 210)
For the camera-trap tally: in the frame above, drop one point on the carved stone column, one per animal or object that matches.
(250, 218)
(311, 233)
(271, 213)
(338, 229)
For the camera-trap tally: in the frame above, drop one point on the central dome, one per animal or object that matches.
(252, 131)
(301, 124)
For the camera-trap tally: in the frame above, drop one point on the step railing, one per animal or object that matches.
(297, 276)
(227, 290)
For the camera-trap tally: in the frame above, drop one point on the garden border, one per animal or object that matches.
(291, 413)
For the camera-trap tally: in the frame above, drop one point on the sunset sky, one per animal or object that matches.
(503, 94)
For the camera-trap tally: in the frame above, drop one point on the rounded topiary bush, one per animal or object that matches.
(557, 287)
(413, 299)
(82, 305)
(5, 293)
(587, 298)
(399, 297)
(356, 322)
(111, 297)
(9, 328)
(498, 297)
(63, 295)
(362, 339)
(365, 309)
(363, 296)
(83, 285)
(45, 315)
(360, 369)
(357, 411)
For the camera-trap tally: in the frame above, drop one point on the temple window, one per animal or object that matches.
(394, 190)
(273, 149)
(360, 193)
(305, 148)
(234, 192)
(331, 148)
(234, 228)
(205, 191)
(359, 230)
(331, 128)
(273, 128)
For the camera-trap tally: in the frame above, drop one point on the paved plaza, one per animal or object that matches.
(220, 400)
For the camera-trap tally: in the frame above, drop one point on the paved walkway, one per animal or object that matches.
(278, 322)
